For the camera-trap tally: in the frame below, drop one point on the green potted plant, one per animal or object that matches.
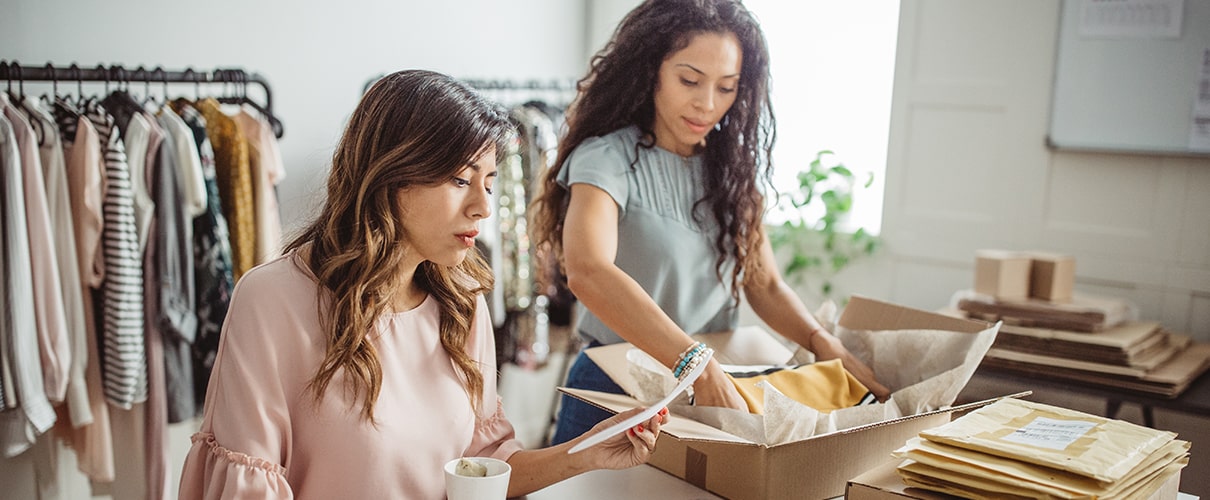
(815, 241)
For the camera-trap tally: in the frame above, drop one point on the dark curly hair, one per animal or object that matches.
(619, 92)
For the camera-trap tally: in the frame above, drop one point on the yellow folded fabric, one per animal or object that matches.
(824, 386)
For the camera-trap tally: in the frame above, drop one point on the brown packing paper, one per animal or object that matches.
(1089, 445)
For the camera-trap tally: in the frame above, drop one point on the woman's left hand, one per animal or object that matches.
(826, 346)
(629, 448)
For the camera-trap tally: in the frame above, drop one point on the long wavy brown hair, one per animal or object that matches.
(412, 128)
(619, 90)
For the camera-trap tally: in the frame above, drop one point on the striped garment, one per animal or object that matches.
(124, 363)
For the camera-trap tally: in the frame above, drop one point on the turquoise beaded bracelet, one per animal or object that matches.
(685, 357)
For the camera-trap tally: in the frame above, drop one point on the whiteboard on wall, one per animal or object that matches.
(1128, 79)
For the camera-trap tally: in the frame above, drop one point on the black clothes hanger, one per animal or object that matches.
(240, 96)
(14, 71)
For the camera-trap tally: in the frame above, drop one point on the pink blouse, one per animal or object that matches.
(264, 436)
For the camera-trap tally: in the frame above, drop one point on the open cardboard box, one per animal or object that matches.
(816, 467)
(883, 483)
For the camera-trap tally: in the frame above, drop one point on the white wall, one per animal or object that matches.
(968, 168)
(317, 56)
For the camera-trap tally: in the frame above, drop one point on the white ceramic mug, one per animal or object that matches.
(494, 486)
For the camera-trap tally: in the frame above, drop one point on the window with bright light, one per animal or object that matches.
(833, 64)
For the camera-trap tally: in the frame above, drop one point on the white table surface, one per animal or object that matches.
(643, 481)
(639, 482)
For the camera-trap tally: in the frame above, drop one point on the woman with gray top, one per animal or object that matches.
(652, 206)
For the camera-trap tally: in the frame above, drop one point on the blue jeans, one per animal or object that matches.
(575, 416)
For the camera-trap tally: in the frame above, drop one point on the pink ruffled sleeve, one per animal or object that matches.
(494, 435)
(245, 433)
(214, 472)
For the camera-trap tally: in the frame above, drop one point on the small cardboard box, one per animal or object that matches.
(1002, 274)
(816, 467)
(883, 483)
(1052, 276)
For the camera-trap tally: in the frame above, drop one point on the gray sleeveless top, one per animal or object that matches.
(660, 245)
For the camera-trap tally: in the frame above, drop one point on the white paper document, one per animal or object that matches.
(1199, 128)
(1131, 18)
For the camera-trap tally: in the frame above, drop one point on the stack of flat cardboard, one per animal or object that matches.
(1136, 356)
(1021, 449)
(1083, 313)
(1050, 330)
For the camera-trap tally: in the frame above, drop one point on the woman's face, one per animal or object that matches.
(696, 87)
(442, 221)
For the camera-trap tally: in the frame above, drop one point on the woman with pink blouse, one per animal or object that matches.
(362, 360)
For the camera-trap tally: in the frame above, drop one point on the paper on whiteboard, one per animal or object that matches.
(1199, 128)
(1131, 18)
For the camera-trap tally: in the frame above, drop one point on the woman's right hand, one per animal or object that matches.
(714, 388)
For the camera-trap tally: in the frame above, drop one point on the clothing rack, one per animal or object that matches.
(502, 84)
(237, 93)
(557, 85)
(555, 92)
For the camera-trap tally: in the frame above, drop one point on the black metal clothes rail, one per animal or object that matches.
(498, 84)
(235, 80)
(556, 85)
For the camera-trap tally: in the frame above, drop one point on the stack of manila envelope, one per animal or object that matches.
(1021, 449)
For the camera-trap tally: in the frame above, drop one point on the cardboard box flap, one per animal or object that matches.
(747, 345)
(962, 408)
(612, 360)
(864, 313)
(744, 346)
(688, 429)
(681, 427)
